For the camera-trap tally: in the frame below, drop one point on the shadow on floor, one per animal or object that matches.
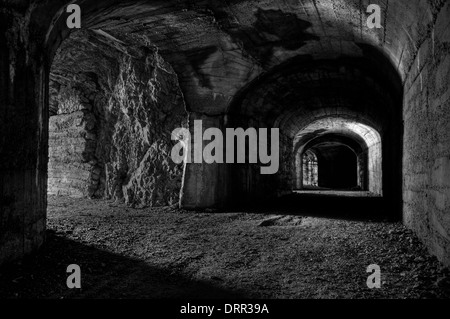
(103, 275)
(360, 208)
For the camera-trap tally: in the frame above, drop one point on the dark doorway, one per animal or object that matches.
(337, 166)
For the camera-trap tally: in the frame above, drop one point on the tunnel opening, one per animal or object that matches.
(321, 107)
(338, 167)
(335, 167)
(349, 155)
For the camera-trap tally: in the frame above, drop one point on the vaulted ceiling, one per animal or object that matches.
(219, 47)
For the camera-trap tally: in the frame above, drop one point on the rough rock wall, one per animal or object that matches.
(426, 159)
(144, 108)
(131, 99)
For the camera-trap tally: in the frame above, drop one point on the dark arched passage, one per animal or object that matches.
(310, 99)
(337, 166)
(339, 158)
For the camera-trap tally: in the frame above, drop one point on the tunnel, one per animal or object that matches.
(337, 166)
(293, 99)
(357, 145)
(357, 108)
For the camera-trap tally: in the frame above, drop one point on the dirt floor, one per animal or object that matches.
(166, 252)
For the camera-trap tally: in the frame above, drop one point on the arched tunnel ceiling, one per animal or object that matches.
(217, 47)
(300, 92)
(329, 151)
(365, 135)
(350, 140)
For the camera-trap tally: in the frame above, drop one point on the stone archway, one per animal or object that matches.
(363, 140)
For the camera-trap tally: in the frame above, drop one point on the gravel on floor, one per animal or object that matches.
(166, 252)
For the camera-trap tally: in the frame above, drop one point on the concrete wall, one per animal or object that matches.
(23, 141)
(247, 185)
(204, 185)
(426, 159)
(375, 172)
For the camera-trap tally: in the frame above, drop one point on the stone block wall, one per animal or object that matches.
(426, 152)
(72, 168)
